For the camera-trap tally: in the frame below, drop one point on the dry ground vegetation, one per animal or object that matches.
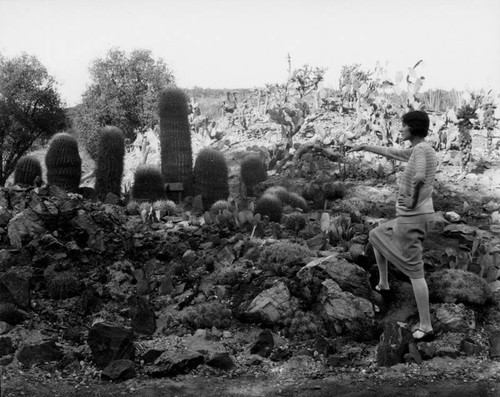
(297, 366)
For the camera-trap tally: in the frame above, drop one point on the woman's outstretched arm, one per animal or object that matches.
(397, 154)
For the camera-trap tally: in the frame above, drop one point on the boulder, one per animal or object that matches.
(453, 317)
(143, 316)
(264, 344)
(118, 370)
(393, 345)
(221, 361)
(272, 306)
(6, 346)
(172, 363)
(343, 309)
(23, 228)
(39, 353)
(15, 288)
(350, 277)
(110, 341)
(495, 345)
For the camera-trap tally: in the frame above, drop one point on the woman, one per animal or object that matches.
(400, 240)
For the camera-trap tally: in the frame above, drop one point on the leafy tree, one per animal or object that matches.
(123, 93)
(30, 109)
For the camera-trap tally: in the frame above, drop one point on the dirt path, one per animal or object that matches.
(249, 387)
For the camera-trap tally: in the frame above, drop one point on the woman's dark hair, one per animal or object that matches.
(418, 122)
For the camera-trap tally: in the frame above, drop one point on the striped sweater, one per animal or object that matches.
(422, 162)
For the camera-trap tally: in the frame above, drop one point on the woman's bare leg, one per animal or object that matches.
(382, 269)
(421, 292)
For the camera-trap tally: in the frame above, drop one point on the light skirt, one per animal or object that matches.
(400, 242)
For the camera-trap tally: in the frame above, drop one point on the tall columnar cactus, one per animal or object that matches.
(252, 171)
(211, 176)
(28, 171)
(148, 184)
(175, 139)
(64, 165)
(110, 157)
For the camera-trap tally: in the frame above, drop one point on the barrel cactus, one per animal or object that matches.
(211, 176)
(148, 184)
(269, 205)
(110, 157)
(64, 165)
(288, 198)
(252, 171)
(28, 171)
(175, 139)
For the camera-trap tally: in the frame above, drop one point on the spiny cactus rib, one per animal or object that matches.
(211, 176)
(64, 165)
(28, 171)
(109, 170)
(175, 139)
(148, 184)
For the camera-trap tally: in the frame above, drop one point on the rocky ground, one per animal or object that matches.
(97, 302)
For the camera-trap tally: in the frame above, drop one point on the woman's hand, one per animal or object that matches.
(353, 148)
(408, 202)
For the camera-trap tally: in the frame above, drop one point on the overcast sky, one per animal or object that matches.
(244, 44)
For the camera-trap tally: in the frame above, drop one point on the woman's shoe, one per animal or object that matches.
(387, 294)
(426, 336)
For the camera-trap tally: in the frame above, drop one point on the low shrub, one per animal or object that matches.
(63, 285)
(281, 257)
(132, 207)
(208, 315)
(458, 286)
(295, 221)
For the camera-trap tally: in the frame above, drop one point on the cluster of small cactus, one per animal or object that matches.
(146, 209)
(319, 193)
(314, 192)
(253, 170)
(63, 285)
(165, 207)
(148, 184)
(219, 206)
(175, 139)
(211, 176)
(109, 171)
(287, 198)
(269, 205)
(64, 165)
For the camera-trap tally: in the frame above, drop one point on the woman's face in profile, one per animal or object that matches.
(405, 132)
